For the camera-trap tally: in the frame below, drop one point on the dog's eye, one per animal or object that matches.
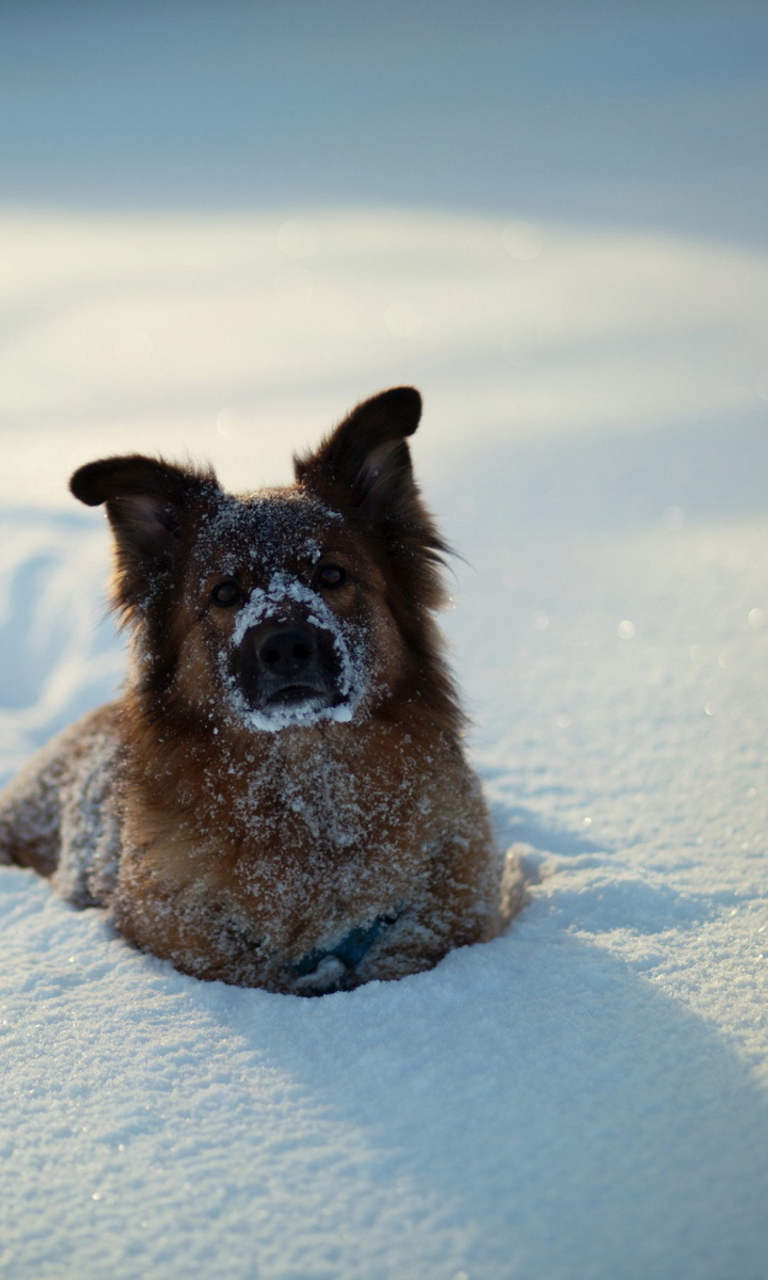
(330, 575)
(225, 594)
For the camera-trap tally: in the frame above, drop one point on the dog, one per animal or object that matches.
(280, 798)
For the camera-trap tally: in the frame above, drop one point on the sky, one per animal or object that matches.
(636, 115)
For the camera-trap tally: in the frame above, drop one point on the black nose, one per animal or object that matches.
(287, 651)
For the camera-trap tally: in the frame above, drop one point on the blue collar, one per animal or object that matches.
(349, 951)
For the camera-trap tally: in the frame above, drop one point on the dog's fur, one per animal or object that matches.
(280, 798)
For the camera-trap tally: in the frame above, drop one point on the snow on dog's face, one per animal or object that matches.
(286, 611)
(287, 607)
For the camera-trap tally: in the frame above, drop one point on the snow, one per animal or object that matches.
(585, 1097)
(234, 338)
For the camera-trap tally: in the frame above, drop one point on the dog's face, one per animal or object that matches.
(285, 611)
(283, 597)
(286, 607)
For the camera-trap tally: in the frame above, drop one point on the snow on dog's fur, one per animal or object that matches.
(280, 798)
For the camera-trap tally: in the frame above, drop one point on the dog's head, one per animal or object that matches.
(288, 606)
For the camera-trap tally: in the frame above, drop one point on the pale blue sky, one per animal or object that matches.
(645, 115)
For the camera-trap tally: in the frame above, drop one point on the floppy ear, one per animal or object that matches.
(146, 499)
(365, 463)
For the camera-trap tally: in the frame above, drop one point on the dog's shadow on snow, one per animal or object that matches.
(544, 1095)
(534, 842)
(514, 824)
(625, 901)
(545, 1098)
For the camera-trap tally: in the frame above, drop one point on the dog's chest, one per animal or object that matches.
(329, 801)
(333, 816)
(301, 826)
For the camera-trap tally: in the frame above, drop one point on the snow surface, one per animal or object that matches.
(585, 1098)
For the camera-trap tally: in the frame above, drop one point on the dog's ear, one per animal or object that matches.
(365, 463)
(363, 469)
(146, 499)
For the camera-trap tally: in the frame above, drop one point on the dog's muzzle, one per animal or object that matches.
(281, 663)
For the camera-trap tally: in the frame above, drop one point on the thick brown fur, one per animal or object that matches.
(280, 799)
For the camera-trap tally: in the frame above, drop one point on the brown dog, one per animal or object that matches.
(280, 799)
